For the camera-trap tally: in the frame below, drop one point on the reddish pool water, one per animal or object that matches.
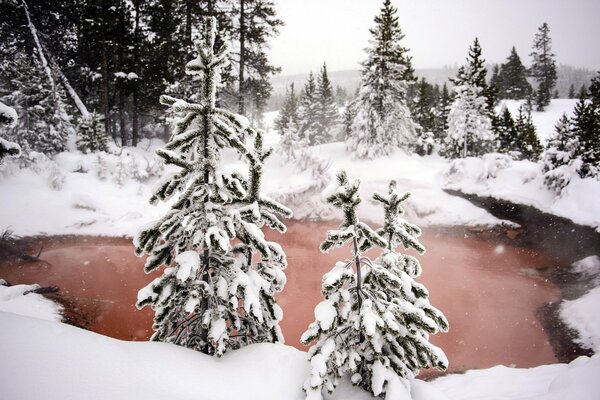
(490, 305)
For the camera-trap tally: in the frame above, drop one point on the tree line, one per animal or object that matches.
(118, 56)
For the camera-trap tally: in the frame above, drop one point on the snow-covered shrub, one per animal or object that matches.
(474, 169)
(375, 321)
(44, 166)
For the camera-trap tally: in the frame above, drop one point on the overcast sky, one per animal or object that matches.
(438, 32)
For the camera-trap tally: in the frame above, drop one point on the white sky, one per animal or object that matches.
(438, 32)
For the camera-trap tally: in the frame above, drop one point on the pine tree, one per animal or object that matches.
(308, 110)
(255, 22)
(43, 125)
(583, 92)
(91, 135)
(527, 145)
(586, 127)
(8, 117)
(572, 91)
(212, 296)
(327, 115)
(375, 320)
(543, 67)
(424, 115)
(469, 120)
(441, 114)
(594, 93)
(383, 121)
(288, 112)
(560, 156)
(505, 132)
(513, 78)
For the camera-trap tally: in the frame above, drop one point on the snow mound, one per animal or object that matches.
(19, 299)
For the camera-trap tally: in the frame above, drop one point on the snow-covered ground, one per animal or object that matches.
(583, 314)
(20, 299)
(75, 195)
(51, 360)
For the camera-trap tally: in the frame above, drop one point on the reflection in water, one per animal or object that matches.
(490, 306)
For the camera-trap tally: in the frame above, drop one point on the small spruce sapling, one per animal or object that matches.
(374, 321)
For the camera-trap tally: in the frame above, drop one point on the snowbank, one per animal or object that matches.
(19, 299)
(498, 176)
(50, 360)
(583, 313)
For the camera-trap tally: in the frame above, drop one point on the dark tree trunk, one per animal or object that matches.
(136, 55)
(105, 94)
(241, 105)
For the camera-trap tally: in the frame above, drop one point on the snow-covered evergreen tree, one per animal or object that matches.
(383, 120)
(212, 295)
(291, 140)
(8, 117)
(505, 132)
(469, 120)
(308, 110)
(43, 124)
(560, 160)
(375, 320)
(442, 109)
(327, 115)
(289, 112)
(543, 66)
(527, 144)
(92, 136)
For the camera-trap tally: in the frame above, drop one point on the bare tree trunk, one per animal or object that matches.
(105, 94)
(136, 50)
(242, 65)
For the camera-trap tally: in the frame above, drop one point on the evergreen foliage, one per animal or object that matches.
(8, 117)
(308, 110)
(212, 295)
(375, 321)
(505, 132)
(424, 114)
(560, 158)
(288, 112)
(543, 67)
(383, 121)
(469, 120)
(527, 145)
(43, 125)
(513, 78)
(91, 136)
(572, 91)
(327, 115)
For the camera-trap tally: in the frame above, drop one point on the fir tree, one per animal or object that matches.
(376, 319)
(572, 91)
(424, 115)
(91, 136)
(586, 127)
(308, 110)
(43, 125)
(441, 114)
(212, 295)
(8, 117)
(513, 78)
(560, 156)
(505, 132)
(543, 67)
(383, 120)
(288, 112)
(594, 93)
(583, 92)
(469, 120)
(527, 145)
(327, 115)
